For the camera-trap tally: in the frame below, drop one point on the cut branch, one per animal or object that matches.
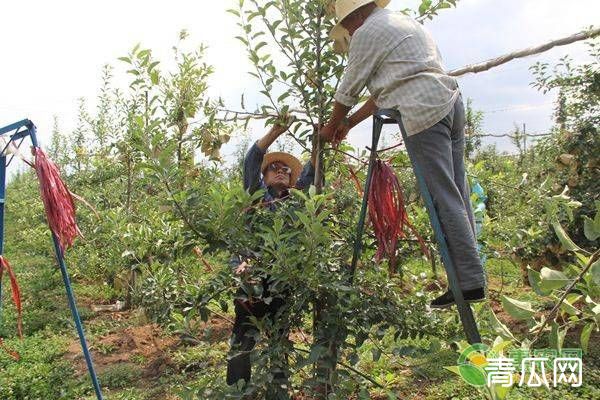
(484, 66)
(246, 115)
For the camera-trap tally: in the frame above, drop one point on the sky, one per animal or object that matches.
(53, 53)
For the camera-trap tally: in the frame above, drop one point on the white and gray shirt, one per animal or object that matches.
(398, 61)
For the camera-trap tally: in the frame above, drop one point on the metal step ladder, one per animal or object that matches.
(386, 117)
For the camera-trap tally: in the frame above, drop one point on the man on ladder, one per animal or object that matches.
(397, 60)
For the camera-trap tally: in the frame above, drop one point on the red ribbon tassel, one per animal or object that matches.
(16, 292)
(16, 296)
(10, 352)
(388, 214)
(58, 203)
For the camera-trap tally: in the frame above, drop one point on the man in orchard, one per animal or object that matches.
(397, 60)
(275, 173)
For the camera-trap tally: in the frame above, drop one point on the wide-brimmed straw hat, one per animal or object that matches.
(287, 159)
(343, 8)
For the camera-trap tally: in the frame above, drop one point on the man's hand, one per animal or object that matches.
(341, 132)
(335, 135)
(284, 122)
(282, 125)
(338, 117)
(242, 268)
(328, 132)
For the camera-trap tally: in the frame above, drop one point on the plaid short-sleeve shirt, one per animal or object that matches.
(398, 61)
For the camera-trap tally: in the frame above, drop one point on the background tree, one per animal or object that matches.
(473, 129)
(57, 149)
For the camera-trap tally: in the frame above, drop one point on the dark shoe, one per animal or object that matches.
(447, 299)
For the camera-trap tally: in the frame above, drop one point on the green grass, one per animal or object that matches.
(41, 372)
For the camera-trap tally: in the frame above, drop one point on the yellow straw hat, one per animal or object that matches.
(343, 8)
(287, 159)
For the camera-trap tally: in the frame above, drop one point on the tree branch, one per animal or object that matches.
(489, 64)
(350, 368)
(553, 312)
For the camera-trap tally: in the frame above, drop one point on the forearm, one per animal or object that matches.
(363, 113)
(267, 140)
(340, 111)
(252, 163)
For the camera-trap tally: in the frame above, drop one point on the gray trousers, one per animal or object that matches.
(440, 152)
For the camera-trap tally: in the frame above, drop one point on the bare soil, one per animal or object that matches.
(122, 346)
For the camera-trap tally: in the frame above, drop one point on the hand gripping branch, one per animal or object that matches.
(13, 137)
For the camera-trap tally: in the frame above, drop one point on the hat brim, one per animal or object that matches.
(286, 158)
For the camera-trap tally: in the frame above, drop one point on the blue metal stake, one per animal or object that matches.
(75, 312)
(31, 132)
(2, 202)
(464, 309)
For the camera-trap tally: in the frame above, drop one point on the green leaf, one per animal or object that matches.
(260, 45)
(517, 309)
(552, 279)
(299, 193)
(557, 336)
(585, 336)
(500, 328)
(376, 354)
(143, 53)
(567, 307)
(242, 39)
(565, 240)
(364, 394)
(153, 65)
(590, 228)
(595, 271)
(500, 344)
(283, 97)
(425, 4)
(535, 280)
(154, 77)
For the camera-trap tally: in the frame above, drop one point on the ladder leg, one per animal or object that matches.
(360, 228)
(465, 312)
(75, 312)
(464, 309)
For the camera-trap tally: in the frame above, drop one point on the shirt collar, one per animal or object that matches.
(375, 12)
(369, 19)
(272, 193)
